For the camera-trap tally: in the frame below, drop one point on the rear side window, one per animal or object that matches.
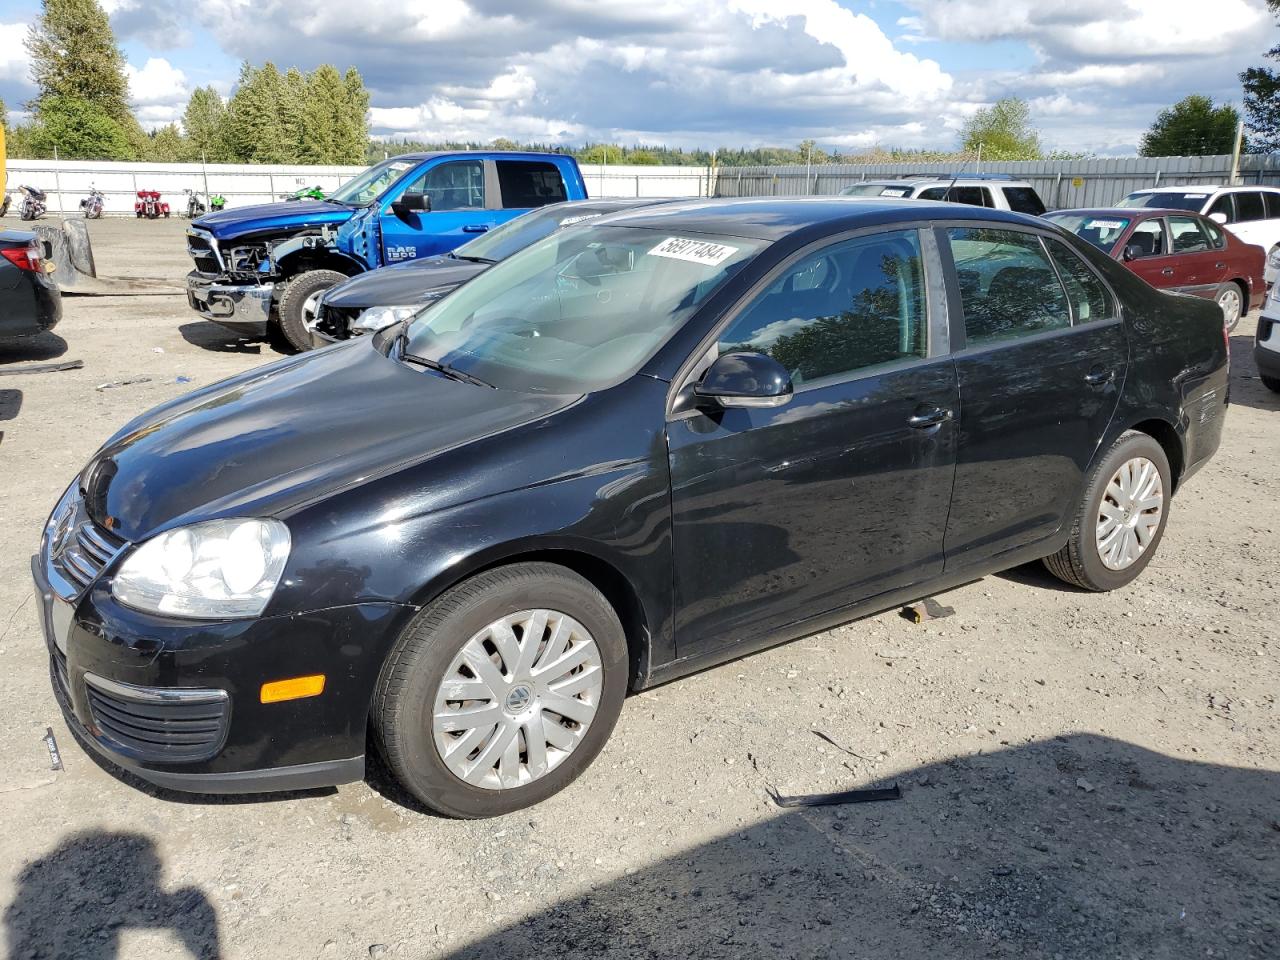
(528, 183)
(1024, 200)
(1224, 206)
(973, 196)
(1089, 298)
(1250, 206)
(1187, 235)
(850, 306)
(1272, 201)
(1008, 286)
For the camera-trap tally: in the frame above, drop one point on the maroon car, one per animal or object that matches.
(1179, 251)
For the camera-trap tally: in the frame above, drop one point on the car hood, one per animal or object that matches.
(403, 284)
(265, 217)
(278, 438)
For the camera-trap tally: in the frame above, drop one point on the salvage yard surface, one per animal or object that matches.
(1084, 775)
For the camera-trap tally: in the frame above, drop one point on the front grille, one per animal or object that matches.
(82, 554)
(203, 253)
(157, 723)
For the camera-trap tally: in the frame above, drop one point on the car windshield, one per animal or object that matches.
(578, 311)
(515, 235)
(1167, 201)
(367, 187)
(1102, 231)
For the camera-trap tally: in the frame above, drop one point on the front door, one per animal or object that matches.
(1044, 357)
(457, 192)
(781, 514)
(1151, 254)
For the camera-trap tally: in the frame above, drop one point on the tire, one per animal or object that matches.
(1230, 297)
(294, 300)
(1271, 383)
(1080, 562)
(405, 700)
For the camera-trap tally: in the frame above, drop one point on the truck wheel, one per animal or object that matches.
(298, 304)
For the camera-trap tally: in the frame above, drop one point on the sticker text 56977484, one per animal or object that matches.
(695, 251)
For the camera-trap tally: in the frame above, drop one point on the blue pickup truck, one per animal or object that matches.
(264, 267)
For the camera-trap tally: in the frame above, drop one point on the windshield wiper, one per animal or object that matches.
(474, 259)
(336, 200)
(453, 373)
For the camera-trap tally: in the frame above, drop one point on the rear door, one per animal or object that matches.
(783, 513)
(1041, 357)
(1199, 267)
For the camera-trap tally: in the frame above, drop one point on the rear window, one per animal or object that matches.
(1024, 200)
(529, 183)
(1172, 200)
(1250, 206)
(973, 196)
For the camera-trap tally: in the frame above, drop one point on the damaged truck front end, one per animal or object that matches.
(230, 289)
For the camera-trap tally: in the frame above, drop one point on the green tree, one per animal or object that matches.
(1003, 131)
(255, 131)
(502, 143)
(355, 129)
(1192, 127)
(325, 116)
(74, 57)
(79, 130)
(167, 145)
(205, 124)
(1262, 99)
(293, 104)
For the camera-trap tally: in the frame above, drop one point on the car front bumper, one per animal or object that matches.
(178, 704)
(245, 308)
(1266, 347)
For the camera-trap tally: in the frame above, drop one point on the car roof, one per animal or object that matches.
(772, 218)
(1207, 188)
(1126, 213)
(942, 181)
(479, 152)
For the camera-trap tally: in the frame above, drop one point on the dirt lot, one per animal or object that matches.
(1084, 776)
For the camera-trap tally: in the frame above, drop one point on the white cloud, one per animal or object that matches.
(159, 92)
(14, 62)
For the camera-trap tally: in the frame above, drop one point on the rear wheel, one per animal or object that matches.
(503, 691)
(1271, 383)
(298, 304)
(1231, 299)
(1122, 517)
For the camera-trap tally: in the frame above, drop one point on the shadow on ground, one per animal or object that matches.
(76, 901)
(42, 346)
(1247, 389)
(1077, 848)
(210, 336)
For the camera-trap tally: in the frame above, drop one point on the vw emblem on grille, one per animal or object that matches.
(62, 530)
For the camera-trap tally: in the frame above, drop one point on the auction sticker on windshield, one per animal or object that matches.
(695, 251)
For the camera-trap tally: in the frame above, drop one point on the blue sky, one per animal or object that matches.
(849, 73)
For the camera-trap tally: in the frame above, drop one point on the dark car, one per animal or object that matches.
(30, 302)
(1179, 251)
(628, 452)
(370, 301)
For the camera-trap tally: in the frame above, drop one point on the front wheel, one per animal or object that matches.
(501, 692)
(1231, 300)
(298, 304)
(1122, 517)
(1271, 383)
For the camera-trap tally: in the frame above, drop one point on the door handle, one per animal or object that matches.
(475, 228)
(1167, 271)
(1220, 266)
(927, 417)
(1096, 378)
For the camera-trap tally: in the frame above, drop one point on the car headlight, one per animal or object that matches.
(376, 318)
(208, 571)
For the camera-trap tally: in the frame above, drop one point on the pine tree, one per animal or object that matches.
(74, 55)
(205, 124)
(253, 116)
(167, 145)
(324, 115)
(356, 132)
(292, 105)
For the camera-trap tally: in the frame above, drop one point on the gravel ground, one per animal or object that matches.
(1084, 776)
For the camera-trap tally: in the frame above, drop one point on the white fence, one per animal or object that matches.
(68, 181)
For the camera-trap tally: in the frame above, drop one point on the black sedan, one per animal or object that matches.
(29, 301)
(370, 301)
(626, 453)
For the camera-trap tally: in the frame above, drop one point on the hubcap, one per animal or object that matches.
(517, 699)
(1230, 303)
(1130, 513)
(309, 307)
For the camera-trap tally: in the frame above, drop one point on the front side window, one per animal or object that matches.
(1224, 206)
(456, 185)
(973, 196)
(1089, 298)
(1187, 235)
(529, 183)
(1024, 200)
(856, 304)
(1147, 240)
(1008, 287)
(1250, 206)
(577, 311)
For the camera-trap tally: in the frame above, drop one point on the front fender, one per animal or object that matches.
(286, 256)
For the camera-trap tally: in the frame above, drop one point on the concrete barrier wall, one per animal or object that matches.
(67, 181)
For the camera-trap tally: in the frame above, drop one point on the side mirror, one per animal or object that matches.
(1132, 252)
(1218, 217)
(411, 202)
(745, 380)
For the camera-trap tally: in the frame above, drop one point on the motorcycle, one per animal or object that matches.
(91, 205)
(195, 207)
(150, 205)
(33, 207)
(217, 202)
(4, 205)
(306, 193)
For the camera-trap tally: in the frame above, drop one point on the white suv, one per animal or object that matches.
(1252, 213)
(999, 193)
(1266, 347)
